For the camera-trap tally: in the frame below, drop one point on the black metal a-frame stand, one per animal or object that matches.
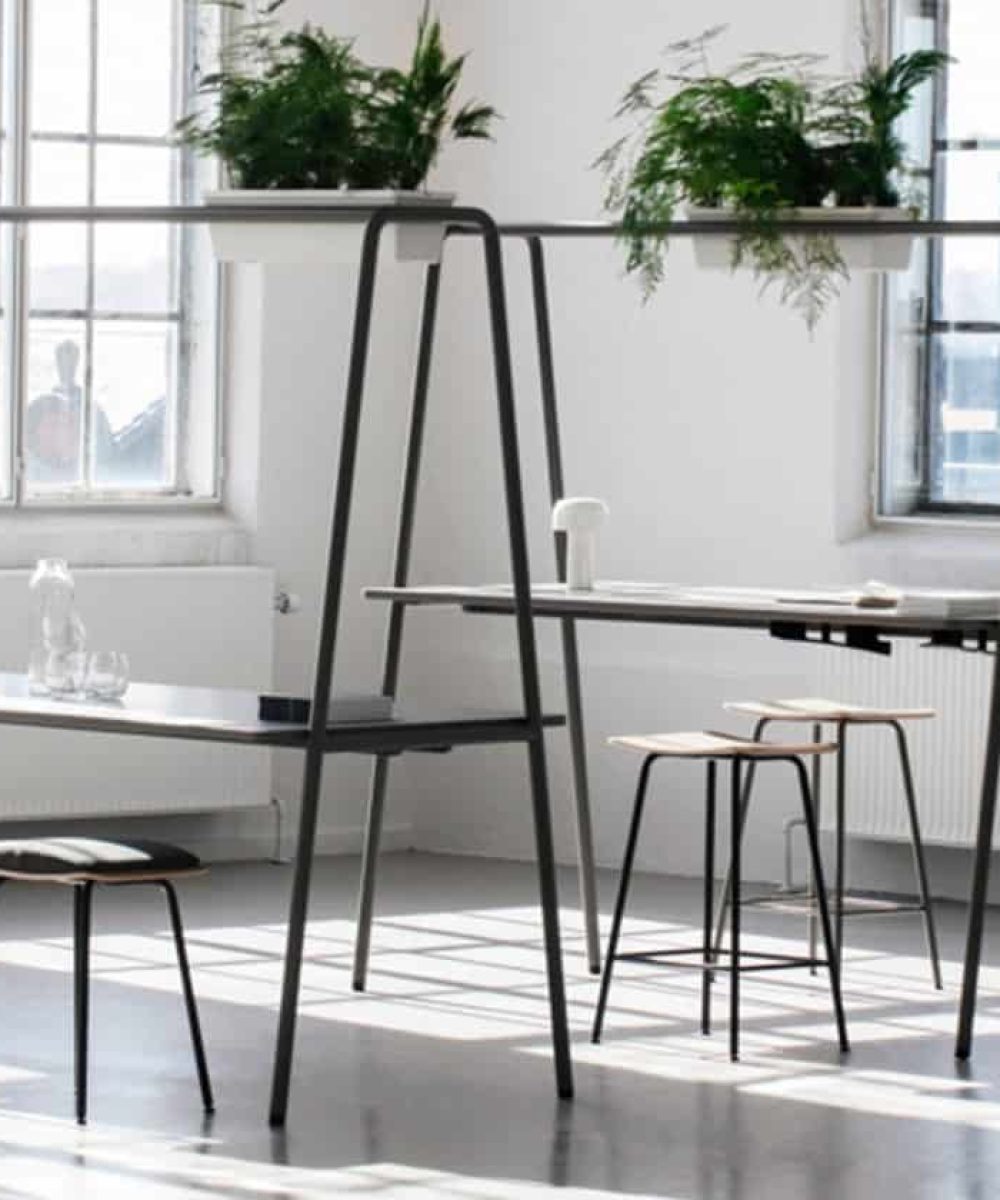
(394, 639)
(421, 732)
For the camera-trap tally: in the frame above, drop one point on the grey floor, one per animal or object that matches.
(438, 1082)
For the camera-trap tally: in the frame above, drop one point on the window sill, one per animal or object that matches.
(928, 552)
(97, 538)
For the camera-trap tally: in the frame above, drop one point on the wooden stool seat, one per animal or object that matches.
(818, 709)
(80, 863)
(708, 744)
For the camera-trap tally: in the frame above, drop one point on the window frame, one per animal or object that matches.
(928, 325)
(183, 262)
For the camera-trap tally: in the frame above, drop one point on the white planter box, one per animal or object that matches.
(891, 252)
(335, 241)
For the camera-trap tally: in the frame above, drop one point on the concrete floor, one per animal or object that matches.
(438, 1082)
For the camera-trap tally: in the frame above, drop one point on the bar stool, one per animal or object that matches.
(713, 748)
(818, 712)
(81, 863)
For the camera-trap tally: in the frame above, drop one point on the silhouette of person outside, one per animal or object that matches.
(52, 436)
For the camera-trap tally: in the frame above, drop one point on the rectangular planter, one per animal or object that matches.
(335, 241)
(888, 252)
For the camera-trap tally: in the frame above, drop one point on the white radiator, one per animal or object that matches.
(202, 626)
(947, 751)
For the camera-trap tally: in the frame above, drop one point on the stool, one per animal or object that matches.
(818, 712)
(713, 748)
(81, 863)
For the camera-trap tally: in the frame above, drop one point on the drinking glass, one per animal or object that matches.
(107, 674)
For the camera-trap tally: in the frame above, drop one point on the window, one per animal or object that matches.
(941, 415)
(108, 331)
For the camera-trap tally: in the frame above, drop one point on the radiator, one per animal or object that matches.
(201, 626)
(947, 751)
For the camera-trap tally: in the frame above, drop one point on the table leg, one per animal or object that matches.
(571, 658)
(981, 870)
(394, 635)
(528, 655)
(333, 588)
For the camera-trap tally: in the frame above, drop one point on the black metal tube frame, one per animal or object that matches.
(394, 638)
(479, 221)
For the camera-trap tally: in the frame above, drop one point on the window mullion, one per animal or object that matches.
(18, 96)
(86, 399)
(182, 243)
(933, 435)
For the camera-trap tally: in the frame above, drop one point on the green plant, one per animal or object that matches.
(299, 109)
(868, 158)
(766, 137)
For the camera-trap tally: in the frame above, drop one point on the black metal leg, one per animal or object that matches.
(981, 870)
(313, 770)
(394, 634)
(81, 992)
(527, 652)
(841, 836)
(817, 778)
(919, 861)
(819, 883)
(571, 660)
(623, 885)
(726, 892)
(736, 814)
(706, 975)
(190, 1004)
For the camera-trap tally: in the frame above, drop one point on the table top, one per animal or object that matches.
(723, 606)
(229, 715)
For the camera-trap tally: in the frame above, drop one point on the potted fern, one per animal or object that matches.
(768, 140)
(297, 117)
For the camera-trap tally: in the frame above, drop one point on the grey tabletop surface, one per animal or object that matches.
(230, 715)
(686, 604)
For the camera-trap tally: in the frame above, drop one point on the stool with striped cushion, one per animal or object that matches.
(739, 752)
(818, 712)
(81, 863)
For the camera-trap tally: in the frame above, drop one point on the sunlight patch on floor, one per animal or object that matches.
(479, 976)
(55, 1160)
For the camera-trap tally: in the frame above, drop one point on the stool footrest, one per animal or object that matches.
(799, 900)
(772, 962)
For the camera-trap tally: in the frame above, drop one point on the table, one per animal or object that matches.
(788, 614)
(230, 716)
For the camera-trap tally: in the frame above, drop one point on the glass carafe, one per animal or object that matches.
(58, 642)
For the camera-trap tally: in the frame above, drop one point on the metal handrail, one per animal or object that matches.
(347, 214)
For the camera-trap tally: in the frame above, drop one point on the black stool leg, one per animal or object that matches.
(189, 1001)
(616, 923)
(916, 841)
(736, 837)
(833, 965)
(81, 991)
(706, 975)
(727, 884)
(841, 863)
(817, 783)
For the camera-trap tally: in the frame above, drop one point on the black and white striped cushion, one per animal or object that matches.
(92, 856)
